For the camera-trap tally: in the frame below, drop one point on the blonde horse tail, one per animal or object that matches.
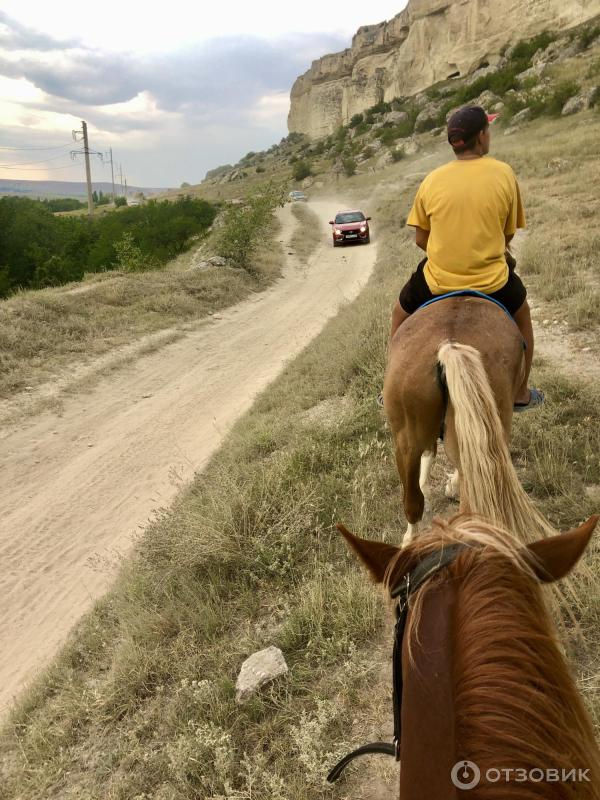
(489, 484)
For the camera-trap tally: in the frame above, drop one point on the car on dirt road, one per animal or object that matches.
(350, 226)
(297, 195)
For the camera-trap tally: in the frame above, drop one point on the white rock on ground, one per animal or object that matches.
(258, 669)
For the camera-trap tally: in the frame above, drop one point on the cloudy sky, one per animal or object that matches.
(174, 91)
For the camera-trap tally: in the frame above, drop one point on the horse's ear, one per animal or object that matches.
(374, 555)
(557, 555)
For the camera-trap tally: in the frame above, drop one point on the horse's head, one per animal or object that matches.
(479, 655)
(548, 559)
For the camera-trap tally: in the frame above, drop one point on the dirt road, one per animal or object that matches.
(74, 488)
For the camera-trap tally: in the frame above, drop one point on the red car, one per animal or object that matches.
(350, 226)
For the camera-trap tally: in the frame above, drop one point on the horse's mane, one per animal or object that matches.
(516, 703)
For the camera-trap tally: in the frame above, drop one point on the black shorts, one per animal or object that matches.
(416, 291)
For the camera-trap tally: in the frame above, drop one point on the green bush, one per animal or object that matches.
(349, 165)
(362, 128)
(40, 249)
(356, 120)
(588, 35)
(64, 204)
(301, 170)
(389, 135)
(130, 257)
(398, 154)
(243, 226)
(380, 108)
(260, 169)
(526, 49)
(120, 201)
(559, 96)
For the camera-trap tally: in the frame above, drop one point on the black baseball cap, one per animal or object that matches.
(466, 123)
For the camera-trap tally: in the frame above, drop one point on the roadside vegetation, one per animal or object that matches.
(40, 249)
(140, 703)
(48, 333)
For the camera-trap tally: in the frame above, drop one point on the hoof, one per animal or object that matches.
(410, 534)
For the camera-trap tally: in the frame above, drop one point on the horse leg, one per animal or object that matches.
(408, 461)
(452, 485)
(427, 460)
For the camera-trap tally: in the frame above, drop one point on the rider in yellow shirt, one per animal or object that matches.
(465, 214)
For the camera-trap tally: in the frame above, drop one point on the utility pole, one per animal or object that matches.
(125, 187)
(112, 174)
(86, 152)
(121, 177)
(88, 173)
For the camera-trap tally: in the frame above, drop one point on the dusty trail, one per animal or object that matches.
(74, 488)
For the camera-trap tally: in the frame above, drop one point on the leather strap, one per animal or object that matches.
(410, 583)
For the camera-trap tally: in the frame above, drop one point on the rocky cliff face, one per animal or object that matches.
(429, 41)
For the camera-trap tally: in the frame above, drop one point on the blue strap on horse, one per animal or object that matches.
(471, 293)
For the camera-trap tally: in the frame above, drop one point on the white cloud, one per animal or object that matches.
(174, 91)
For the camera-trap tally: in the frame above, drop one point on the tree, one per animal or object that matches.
(301, 170)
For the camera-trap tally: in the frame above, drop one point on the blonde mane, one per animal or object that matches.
(516, 703)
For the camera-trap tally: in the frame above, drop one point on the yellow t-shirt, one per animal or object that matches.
(468, 206)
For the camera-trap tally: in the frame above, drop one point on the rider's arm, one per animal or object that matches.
(421, 237)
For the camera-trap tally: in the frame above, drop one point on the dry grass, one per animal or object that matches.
(140, 704)
(45, 333)
(559, 171)
(306, 236)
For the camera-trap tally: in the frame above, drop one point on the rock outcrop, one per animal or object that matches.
(429, 41)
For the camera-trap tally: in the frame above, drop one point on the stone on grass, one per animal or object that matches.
(257, 670)
(581, 102)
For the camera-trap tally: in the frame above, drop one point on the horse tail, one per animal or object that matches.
(489, 484)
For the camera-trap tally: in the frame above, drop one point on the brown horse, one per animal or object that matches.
(484, 680)
(456, 366)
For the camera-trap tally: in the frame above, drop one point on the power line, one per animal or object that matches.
(40, 169)
(26, 163)
(54, 147)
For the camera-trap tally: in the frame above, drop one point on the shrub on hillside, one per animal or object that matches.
(524, 50)
(559, 96)
(380, 108)
(120, 202)
(355, 120)
(349, 165)
(588, 35)
(398, 154)
(243, 226)
(362, 128)
(301, 170)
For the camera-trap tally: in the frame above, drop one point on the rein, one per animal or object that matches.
(408, 584)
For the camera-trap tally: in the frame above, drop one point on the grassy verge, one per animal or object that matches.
(305, 238)
(46, 332)
(140, 704)
(559, 170)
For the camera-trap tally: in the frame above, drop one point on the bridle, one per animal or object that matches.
(403, 590)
